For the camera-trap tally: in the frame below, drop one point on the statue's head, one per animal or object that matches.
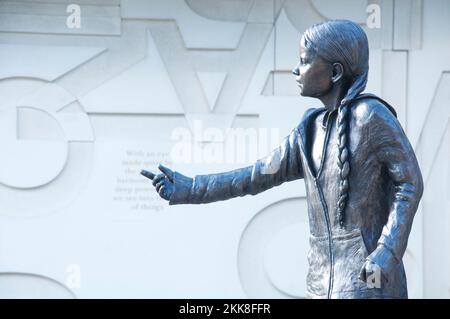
(333, 53)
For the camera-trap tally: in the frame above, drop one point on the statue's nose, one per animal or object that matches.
(295, 71)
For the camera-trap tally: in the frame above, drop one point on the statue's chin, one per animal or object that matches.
(302, 93)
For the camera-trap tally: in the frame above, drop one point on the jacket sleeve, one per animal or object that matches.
(393, 150)
(281, 165)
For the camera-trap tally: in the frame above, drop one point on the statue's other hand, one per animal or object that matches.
(372, 274)
(162, 182)
(378, 266)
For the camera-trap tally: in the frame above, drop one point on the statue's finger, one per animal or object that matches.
(158, 178)
(362, 273)
(147, 174)
(158, 186)
(161, 191)
(167, 171)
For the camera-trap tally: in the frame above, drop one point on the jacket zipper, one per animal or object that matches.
(330, 240)
(325, 210)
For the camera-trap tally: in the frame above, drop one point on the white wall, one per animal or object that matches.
(82, 110)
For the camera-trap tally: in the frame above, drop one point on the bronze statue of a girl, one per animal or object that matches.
(362, 178)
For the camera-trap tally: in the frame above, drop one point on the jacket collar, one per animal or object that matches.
(303, 127)
(373, 96)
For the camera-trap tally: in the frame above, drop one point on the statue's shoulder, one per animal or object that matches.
(368, 105)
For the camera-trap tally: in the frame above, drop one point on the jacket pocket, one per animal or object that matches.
(318, 277)
(348, 253)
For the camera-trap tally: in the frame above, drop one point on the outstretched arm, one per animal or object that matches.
(281, 165)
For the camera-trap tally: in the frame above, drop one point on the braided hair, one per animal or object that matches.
(345, 42)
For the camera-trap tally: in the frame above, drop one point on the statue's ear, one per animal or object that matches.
(338, 72)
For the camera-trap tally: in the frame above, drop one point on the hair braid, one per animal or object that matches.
(343, 161)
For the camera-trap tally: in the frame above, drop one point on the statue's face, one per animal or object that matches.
(313, 73)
